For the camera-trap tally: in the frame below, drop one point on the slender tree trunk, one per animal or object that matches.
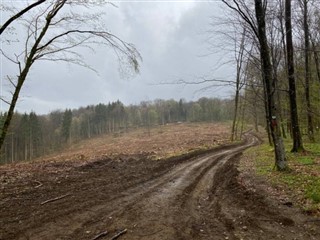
(25, 149)
(256, 126)
(284, 48)
(12, 149)
(316, 59)
(239, 59)
(307, 69)
(283, 129)
(277, 94)
(30, 149)
(89, 130)
(268, 129)
(297, 139)
(280, 157)
(14, 100)
(243, 109)
(235, 116)
(23, 74)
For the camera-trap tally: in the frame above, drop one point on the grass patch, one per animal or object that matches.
(301, 182)
(305, 160)
(314, 193)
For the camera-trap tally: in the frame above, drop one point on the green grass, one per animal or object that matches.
(305, 160)
(313, 192)
(302, 180)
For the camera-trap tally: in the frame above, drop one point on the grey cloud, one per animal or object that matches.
(170, 43)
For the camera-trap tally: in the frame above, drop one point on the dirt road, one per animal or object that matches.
(190, 197)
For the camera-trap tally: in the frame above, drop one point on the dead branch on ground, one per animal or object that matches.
(55, 199)
(105, 233)
(119, 234)
(39, 184)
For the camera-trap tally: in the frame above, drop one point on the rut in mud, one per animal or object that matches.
(195, 197)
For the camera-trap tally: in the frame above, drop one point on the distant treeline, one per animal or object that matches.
(33, 135)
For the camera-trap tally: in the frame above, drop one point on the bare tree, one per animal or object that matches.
(304, 6)
(275, 37)
(70, 31)
(258, 26)
(240, 61)
(297, 139)
(270, 86)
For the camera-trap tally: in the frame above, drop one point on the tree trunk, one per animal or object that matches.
(307, 70)
(25, 149)
(89, 130)
(280, 158)
(243, 110)
(316, 59)
(297, 139)
(277, 96)
(235, 116)
(239, 59)
(23, 74)
(14, 100)
(30, 146)
(12, 148)
(283, 129)
(268, 129)
(284, 47)
(256, 126)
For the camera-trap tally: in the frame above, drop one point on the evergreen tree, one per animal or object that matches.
(66, 125)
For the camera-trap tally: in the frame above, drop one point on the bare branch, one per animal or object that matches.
(12, 83)
(5, 101)
(244, 15)
(7, 57)
(62, 49)
(19, 14)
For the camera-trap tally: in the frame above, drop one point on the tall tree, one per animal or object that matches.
(35, 136)
(61, 46)
(276, 39)
(297, 139)
(66, 125)
(307, 70)
(239, 56)
(24, 129)
(258, 27)
(269, 84)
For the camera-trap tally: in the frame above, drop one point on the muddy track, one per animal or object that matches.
(184, 198)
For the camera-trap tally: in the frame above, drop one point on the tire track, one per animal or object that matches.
(170, 210)
(166, 207)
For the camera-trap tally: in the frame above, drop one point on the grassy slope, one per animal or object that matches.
(301, 184)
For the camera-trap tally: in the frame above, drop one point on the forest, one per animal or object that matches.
(275, 48)
(276, 55)
(31, 135)
(276, 89)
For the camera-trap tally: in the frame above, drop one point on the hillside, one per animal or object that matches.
(178, 181)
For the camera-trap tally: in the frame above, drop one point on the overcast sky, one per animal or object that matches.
(171, 37)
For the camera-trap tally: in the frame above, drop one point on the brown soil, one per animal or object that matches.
(194, 196)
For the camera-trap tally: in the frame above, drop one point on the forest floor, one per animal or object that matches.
(180, 182)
